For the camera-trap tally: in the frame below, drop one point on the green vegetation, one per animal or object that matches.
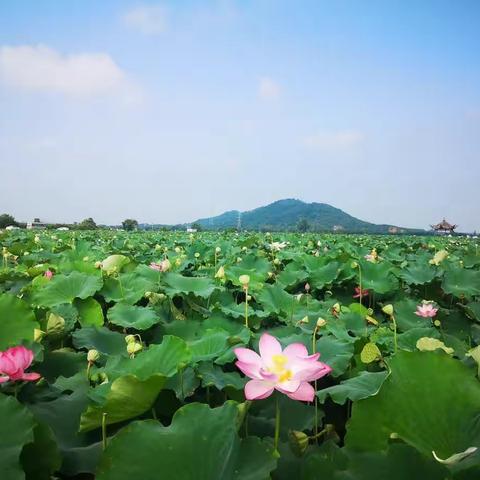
(133, 334)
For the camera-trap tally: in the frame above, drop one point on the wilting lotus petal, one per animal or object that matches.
(287, 371)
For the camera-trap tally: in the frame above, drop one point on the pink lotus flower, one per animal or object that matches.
(14, 362)
(287, 371)
(48, 274)
(360, 293)
(162, 266)
(426, 310)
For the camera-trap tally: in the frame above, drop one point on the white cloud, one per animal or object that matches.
(44, 69)
(149, 20)
(334, 140)
(268, 89)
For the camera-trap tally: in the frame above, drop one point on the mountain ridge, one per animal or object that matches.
(286, 214)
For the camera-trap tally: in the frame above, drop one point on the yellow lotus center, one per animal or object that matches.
(278, 368)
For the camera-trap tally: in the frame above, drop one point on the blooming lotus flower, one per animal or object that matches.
(360, 293)
(277, 246)
(162, 266)
(48, 274)
(14, 362)
(287, 371)
(426, 310)
(156, 266)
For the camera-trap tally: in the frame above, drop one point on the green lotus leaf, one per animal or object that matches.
(276, 300)
(213, 375)
(127, 397)
(378, 277)
(200, 443)
(176, 283)
(126, 288)
(90, 312)
(362, 386)
(101, 339)
(324, 275)
(131, 316)
(461, 282)
(114, 263)
(17, 321)
(65, 288)
(335, 353)
(418, 274)
(16, 430)
(418, 404)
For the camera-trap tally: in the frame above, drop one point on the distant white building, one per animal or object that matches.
(191, 230)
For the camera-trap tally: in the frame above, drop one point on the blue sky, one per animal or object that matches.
(172, 111)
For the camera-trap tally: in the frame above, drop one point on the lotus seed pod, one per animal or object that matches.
(197, 255)
(354, 265)
(276, 261)
(321, 322)
(249, 297)
(298, 442)
(270, 274)
(244, 279)
(336, 308)
(239, 259)
(130, 339)
(178, 249)
(437, 323)
(388, 309)
(93, 355)
(244, 249)
(218, 250)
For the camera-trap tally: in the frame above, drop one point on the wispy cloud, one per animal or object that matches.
(268, 89)
(148, 20)
(41, 68)
(334, 140)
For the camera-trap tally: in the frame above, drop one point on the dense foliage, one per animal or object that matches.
(134, 337)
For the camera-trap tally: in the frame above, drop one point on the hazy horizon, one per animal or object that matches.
(168, 112)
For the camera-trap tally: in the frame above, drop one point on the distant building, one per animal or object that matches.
(37, 224)
(393, 230)
(338, 228)
(444, 227)
(191, 230)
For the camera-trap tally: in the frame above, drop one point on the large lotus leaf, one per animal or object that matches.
(378, 277)
(101, 339)
(176, 283)
(213, 375)
(212, 344)
(65, 362)
(472, 310)
(41, 458)
(17, 321)
(362, 386)
(256, 268)
(131, 316)
(291, 275)
(335, 353)
(418, 274)
(405, 316)
(324, 275)
(16, 430)
(90, 312)
(276, 300)
(201, 443)
(419, 405)
(79, 454)
(164, 359)
(126, 288)
(65, 288)
(461, 282)
(126, 398)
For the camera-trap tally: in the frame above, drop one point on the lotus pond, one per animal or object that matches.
(217, 356)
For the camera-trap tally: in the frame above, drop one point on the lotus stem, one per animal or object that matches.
(104, 430)
(277, 425)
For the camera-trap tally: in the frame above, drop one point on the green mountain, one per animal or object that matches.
(286, 215)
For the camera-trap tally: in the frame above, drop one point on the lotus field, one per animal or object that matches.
(216, 356)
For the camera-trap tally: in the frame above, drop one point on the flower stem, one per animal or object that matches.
(246, 307)
(394, 334)
(277, 425)
(104, 431)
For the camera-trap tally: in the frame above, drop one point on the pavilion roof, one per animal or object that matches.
(444, 225)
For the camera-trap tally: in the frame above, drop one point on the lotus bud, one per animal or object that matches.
(249, 297)
(319, 243)
(55, 323)
(48, 274)
(336, 308)
(270, 274)
(86, 259)
(218, 250)
(276, 261)
(130, 339)
(244, 249)
(25, 254)
(220, 273)
(92, 356)
(304, 320)
(38, 335)
(307, 287)
(244, 280)
(298, 442)
(321, 322)
(98, 264)
(178, 249)
(166, 265)
(37, 239)
(239, 259)
(158, 247)
(178, 262)
(134, 347)
(388, 309)
(317, 254)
